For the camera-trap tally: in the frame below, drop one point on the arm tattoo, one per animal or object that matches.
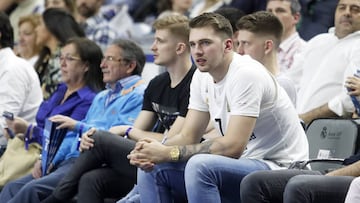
(189, 150)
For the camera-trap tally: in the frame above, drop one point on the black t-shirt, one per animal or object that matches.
(167, 102)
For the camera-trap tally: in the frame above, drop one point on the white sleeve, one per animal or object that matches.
(341, 105)
(12, 92)
(198, 92)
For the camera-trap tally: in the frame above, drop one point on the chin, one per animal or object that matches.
(202, 69)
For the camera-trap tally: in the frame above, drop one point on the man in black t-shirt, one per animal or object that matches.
(163, 112)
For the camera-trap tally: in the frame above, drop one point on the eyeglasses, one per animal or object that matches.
(68, 58)
(111, 58)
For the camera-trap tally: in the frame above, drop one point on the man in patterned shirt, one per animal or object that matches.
(96, 26)
(288, 12)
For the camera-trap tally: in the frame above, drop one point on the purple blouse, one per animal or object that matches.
(75, 106)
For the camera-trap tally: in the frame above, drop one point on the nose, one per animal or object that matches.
(102, 64)
(347, 11)
(240, 50)
(62, 62)
(196, 50)
(153, 46)
(271, 11)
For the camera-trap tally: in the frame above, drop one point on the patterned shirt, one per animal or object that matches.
(50, 74)
(98, 30)
(288, 48)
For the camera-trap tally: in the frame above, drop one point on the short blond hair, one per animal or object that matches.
(177, 25)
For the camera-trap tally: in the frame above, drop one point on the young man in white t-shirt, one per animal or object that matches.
(259, 35)
(260, 127)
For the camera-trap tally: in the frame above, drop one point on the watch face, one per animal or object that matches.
(174, 153)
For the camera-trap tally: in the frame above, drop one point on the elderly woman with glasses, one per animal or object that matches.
(80, 60)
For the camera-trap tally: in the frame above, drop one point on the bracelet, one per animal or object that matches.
(127, 132)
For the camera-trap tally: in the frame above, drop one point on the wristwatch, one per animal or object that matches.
(175, 153)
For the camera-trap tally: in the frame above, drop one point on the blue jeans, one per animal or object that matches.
(207, 178)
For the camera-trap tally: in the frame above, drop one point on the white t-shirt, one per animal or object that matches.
(248, 89)
(322, 66)
(288, 85)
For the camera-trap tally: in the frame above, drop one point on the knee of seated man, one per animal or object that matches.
(199, 163)
(296, 185)
(252, 179)
(87, 180)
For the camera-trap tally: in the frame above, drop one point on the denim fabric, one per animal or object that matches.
(207, 178)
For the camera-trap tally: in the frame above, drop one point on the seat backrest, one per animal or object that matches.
(332, 138)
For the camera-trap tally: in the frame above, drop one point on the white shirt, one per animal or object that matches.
(322, 66)
(20, 91)
(341, 104)
(248, 89)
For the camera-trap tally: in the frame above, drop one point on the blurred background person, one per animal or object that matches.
(206, 6)
(288, 12)
(55, 28)
(95, 24)
(27, 47)
(23, 8)
(174, 6)
(68, 5)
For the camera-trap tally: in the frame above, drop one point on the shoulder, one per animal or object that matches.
(161, 79)
(323, 38)
(86, 93)
(245, 67)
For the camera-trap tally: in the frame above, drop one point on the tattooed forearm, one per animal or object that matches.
(203, 148)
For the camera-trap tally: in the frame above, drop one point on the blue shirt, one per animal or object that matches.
(75, 106)
(104, 113)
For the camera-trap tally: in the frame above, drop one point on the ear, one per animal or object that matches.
(296, 17)
(131, 67)
(180, 48)
(228, 45)
(86, 67)
(268, 46)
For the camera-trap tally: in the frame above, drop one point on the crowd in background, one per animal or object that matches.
(94, 59)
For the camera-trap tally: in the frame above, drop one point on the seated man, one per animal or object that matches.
(292, 185)
(299, 186)
(119, 104)
(259, 36)
(259, 126)
(324, 63)
(164, 108)
(288, 12)
(20, 91)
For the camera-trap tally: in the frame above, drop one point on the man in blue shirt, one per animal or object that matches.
(119, 104)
